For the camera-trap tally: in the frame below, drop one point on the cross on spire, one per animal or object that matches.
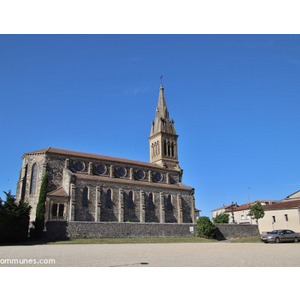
(161, 79)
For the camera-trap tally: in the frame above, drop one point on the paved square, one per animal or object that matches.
(154, 255)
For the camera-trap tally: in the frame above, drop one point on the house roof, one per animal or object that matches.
(275, 206)
(51, 150)
(261, 201)
(246, 205)
(283, 205)
(292, 194)
(223, 207)
(242, 207)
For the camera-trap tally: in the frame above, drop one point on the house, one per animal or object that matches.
(222, 209)
(240, 214)
(282, 215)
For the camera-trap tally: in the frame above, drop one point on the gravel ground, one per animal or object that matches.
(153, 255)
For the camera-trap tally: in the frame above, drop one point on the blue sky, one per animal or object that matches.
(234, 99)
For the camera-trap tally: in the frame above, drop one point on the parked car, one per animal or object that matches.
(281, 235)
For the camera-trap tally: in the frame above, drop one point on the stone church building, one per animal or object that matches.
(95, 188)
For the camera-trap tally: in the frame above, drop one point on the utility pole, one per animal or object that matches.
(232, 204)
(250, 219)
(249, 188)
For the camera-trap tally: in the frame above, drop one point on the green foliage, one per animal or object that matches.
(221, 218)
(256, 211)
(205, 228)
(41, 208)
(14, 220)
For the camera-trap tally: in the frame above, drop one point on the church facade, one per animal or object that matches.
(96, 188)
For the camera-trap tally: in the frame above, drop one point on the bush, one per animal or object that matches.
(205, 228)
(221, 218)
(14, 220)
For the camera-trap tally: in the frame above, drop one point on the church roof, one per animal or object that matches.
(60, 192)
(51, 150)
(123, 181)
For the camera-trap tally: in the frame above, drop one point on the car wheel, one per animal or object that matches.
(277, 240)
(296, 240)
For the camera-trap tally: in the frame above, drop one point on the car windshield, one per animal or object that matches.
(274, 232)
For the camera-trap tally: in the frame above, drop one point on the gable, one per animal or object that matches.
(293, 196)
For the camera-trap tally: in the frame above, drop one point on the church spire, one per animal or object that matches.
(162, 121)
(163, 137)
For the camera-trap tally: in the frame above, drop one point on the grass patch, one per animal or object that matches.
(250, 239)
(150, 240)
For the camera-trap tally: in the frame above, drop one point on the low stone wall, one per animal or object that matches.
(62, 230)
(229, 231)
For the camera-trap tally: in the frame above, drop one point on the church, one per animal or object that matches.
(96, 188)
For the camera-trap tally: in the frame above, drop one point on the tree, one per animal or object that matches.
(205, 228)
(256, 211)
(221, 218)
(39, 223)
(14, 220)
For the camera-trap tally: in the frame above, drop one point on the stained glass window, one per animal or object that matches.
(157, 176)
(121, 172)
(33, 179)
(79, 166)
(108, 198)
(85, 196)
(140, 174)
(101, 169)
(151, 201)
(169, 202)
(130, 199)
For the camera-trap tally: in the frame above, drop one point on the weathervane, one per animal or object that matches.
(161, 79)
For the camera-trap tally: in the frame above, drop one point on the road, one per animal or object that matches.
(220, 254)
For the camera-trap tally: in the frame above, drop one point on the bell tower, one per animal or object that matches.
(163, 137)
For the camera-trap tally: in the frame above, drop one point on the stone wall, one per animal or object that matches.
(229, 231)
(62, 230)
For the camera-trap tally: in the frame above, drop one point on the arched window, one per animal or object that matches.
(33, 179)
(165, 147)
(130, 199)
(172, 149)
(151, 206)
(108, 198)
(169, 203)
(85, 196)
